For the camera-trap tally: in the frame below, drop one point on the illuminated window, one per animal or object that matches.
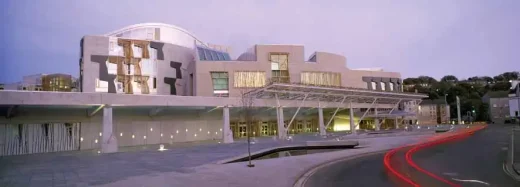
(374, 85)
(220, 84)
(391, 86)
(279, 67)
(249, 79)
(383, 86)
(321, 78)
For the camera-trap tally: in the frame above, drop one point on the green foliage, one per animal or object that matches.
(469, 91)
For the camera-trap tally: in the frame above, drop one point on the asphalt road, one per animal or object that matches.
(476, 160)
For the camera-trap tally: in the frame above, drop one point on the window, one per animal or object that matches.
(383, 86)
(313, 58)
(220, 83)
(391, 86)
(321, 78)
(155, 82)
(111, 46)
(201, 54)
(374, 85)
(279, 67)
(249, 79)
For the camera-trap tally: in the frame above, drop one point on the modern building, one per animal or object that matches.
(157, 83)
(45, 82)
(434, 112)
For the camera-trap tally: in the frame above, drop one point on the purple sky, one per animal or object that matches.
(414, 37)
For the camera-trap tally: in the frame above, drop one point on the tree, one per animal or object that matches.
(483, 112)
(513, 75)
(487, 79)
(426, 79)
(410, 81)
(501, 86)
(247, 110)
(449, 78)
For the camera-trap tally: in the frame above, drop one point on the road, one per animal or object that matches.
(476, 160)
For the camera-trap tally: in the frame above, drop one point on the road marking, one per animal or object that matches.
(450, 174)
(469, 180)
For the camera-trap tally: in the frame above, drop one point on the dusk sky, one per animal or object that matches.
(413, 37)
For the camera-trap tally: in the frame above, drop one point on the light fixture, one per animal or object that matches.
(200, 129)
(195, 135)
(133, 136)
(216, 132)
(177, 131)
(81, 139)
(98, 152)
(161, 134)
(171, 136)
(120, 134)
(144, 137)
(161, 148)
(208, 132)
(100, 134)
(151, 129)
(186, 130)
(220, 129)
(95, 141)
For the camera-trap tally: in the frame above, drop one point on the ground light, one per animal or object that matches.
(161, 148)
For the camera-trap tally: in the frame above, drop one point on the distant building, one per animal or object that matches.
(433, 112)
(1, 86)
(498, 105)
(45, 82)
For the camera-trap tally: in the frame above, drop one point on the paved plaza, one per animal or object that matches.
(87, 168)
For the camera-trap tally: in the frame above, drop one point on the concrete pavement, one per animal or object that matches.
(87, 168)
(271, 172)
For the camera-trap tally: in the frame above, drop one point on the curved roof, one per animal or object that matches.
(153, 25)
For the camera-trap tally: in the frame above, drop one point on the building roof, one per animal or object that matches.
(433, 102)
(497, 94)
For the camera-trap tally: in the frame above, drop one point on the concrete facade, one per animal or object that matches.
(155, 83)
(499, 109)
(433, 112)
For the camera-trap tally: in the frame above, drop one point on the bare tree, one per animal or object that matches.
(247, 110)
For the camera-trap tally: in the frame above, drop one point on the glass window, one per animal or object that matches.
(383, 86)
(274, 66)
(374, 85)
(214, 56)
(226, 56)
(208, 54)
(220, 84)
(220, 56)
(201, 54)
(391, 86)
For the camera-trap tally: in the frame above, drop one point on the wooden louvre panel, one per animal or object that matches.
(321, 78)
(143, 45)
(249, 79)
(127, 47)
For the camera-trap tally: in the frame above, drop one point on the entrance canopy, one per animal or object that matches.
(292, 91)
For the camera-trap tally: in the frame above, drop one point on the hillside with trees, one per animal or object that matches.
(470, 91)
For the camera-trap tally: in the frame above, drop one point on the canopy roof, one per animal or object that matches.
(295, 91)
